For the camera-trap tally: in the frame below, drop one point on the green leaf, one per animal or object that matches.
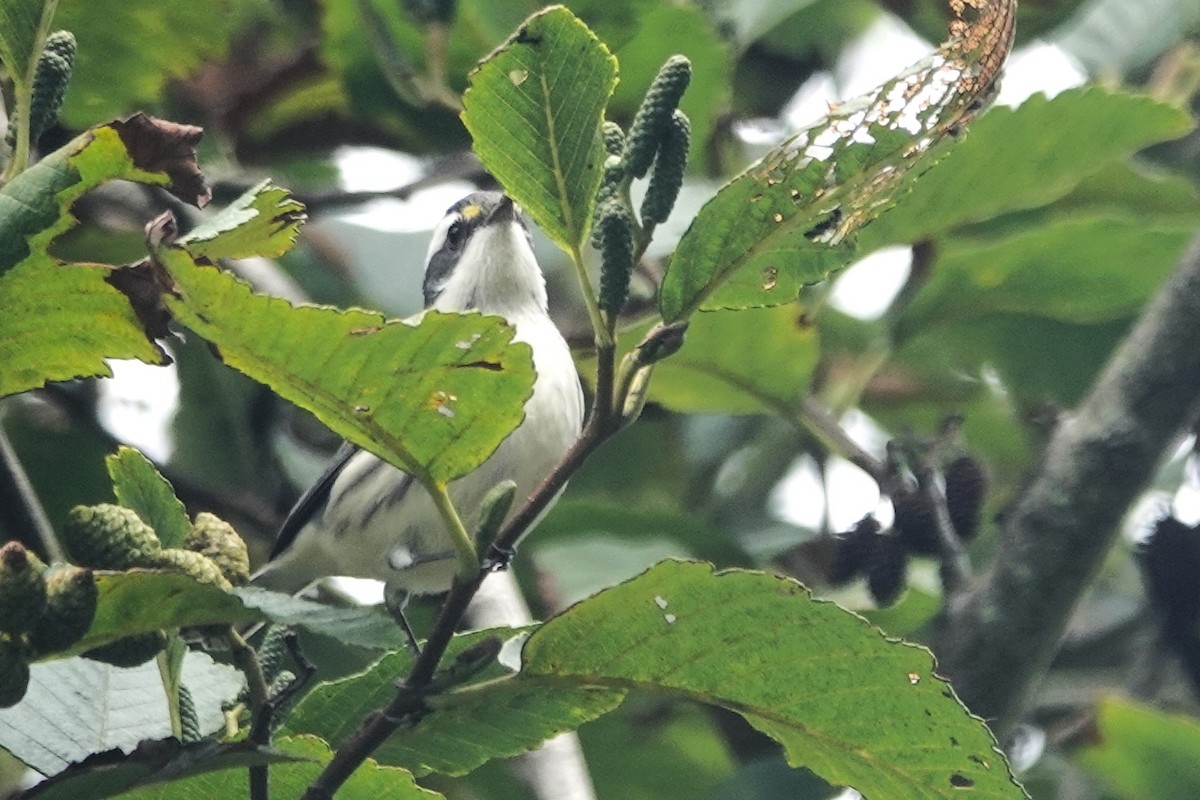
(264, 222)
(76, 707)
(1077, 270)
(111, 773)
(1025, 157)
(23, 25)
(797, 669)
(138, 485)
(291, 779)
(493, 717)
(1142, 753)
(362, 626)
(792, 218)
(63, 320)
(434, 398)
(129, 50)
(534, 111)
(139, 601)
(753, 362)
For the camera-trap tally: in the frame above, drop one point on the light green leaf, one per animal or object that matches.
(138, 485)
(792, 218)
(369, 781)
(264, 221)
(757, 361)
(1142, 753)
(1077, 270)
(76, 707)
(1025, 157)
(62, 320)
(434, 398)
(792, 666)
(493, 717)
(534, 111)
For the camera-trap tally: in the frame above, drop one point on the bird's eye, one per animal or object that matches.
(454, 236)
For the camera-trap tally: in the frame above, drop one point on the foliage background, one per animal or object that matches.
(1042, 244)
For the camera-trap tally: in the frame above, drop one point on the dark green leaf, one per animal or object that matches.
(434, 398)
(22, 23)
(761, 646)
(112, 772)
(495, 717)
(1077, 270)
(138, 485)
(363, 626)
(534, 111)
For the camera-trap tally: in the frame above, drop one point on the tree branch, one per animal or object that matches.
(995, 641)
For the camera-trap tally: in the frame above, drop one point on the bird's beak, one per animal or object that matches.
(505, 211)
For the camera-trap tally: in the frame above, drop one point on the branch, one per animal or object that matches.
(21, 497)
(997, 640)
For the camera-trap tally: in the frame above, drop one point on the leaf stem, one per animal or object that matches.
(601, 327)
(464, 544)
(23, 93)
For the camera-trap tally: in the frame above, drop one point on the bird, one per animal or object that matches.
(368, 519)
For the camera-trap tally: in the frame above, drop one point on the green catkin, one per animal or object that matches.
(610, 188)
(198, 566)
(49, 85)
(189, 720)
(216, 539)
(614, 138)
(71, 599)
(22, 589)
(669, 166)
(109, 537)
(272, 651)
(654, 115)
(615, 228)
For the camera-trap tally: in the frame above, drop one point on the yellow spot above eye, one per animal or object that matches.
(471, 212)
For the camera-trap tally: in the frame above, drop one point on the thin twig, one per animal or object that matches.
(28, 506)
(820, 422)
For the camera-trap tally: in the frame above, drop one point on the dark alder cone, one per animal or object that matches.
(71, 599)
(966, 489)
(14, 673)
(916, 523)
(1170, 558)
(888, 570)
(22, 589)
(852, 551)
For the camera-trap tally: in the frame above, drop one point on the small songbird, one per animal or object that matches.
(365, 518)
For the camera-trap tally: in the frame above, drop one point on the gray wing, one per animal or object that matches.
(313, 501)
